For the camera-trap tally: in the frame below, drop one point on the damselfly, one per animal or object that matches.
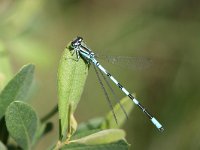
(82, 50)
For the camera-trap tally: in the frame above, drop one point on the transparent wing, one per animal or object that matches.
(137, 62)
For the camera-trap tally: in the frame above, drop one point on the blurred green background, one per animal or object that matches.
(166, 31)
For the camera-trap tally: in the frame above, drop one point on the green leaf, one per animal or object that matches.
(119, 145)
(109, 122)
(17, 88)
(22, 123)
(2, 146)
(72, 75)
(5, 68)
(102, 137)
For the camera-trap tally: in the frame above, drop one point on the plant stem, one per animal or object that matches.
(50, 114)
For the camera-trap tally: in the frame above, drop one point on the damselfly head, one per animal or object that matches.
(76, 42)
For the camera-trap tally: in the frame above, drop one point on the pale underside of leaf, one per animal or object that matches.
(2, 146)
(102, 137)
(119, 145)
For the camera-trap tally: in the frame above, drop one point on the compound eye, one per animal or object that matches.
(77, 41)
